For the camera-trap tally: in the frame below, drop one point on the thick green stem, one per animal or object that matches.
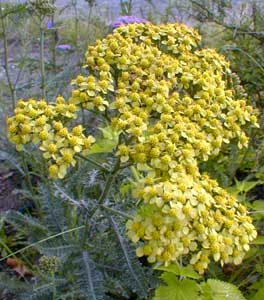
(102, 197)
(109, 182)
(42, 59)
(27, 174)
(6, 65)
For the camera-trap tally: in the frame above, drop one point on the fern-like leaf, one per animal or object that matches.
(38, 292)
(140, 285)
(63, 251)
(53, 211)
(11, 160)
(24, 223)
(90, 279)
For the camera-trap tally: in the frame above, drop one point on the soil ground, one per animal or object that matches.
(8, 183)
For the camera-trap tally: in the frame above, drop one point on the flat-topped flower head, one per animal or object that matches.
(59, 144)
(175, 106)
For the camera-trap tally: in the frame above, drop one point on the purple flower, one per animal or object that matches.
(49, 24)
(64, 47)
(124, 20)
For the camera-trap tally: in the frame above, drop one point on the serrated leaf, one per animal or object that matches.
(180, 271)
(185, 289)
(205, 291)
(24, 223)
(221, 290)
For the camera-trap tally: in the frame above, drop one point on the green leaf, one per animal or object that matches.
(258, 241)
(205, 291)
(107, 143)
(259, 288)
(125, 189)
(186, 289)
(128, 261)
(93, 279)
(249, 185)
(258, 205)
(13, 9)
(146, 210)
(243, 186)
(180, 271)
(259, 294)
(253, 251)
(221, 290)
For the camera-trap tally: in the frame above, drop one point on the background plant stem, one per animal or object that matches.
(54, 40)
(42, 59)
(6, 64)
(76, 24)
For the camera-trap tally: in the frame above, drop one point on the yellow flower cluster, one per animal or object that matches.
(40, 123)
(193, 216)
(175, 107)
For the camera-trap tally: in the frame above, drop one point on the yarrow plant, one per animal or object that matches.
(174, 106)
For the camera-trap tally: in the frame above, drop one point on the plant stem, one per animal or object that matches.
(109, 182)
(42, 59)
(89, 21)
(27, 174)
(115, 211)
(95, 163)
(54, 42)
(83, 116)
(10, 252)
(126, 7)
(102, 197)
(76, 21)
(53, 287)
(6, 65)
